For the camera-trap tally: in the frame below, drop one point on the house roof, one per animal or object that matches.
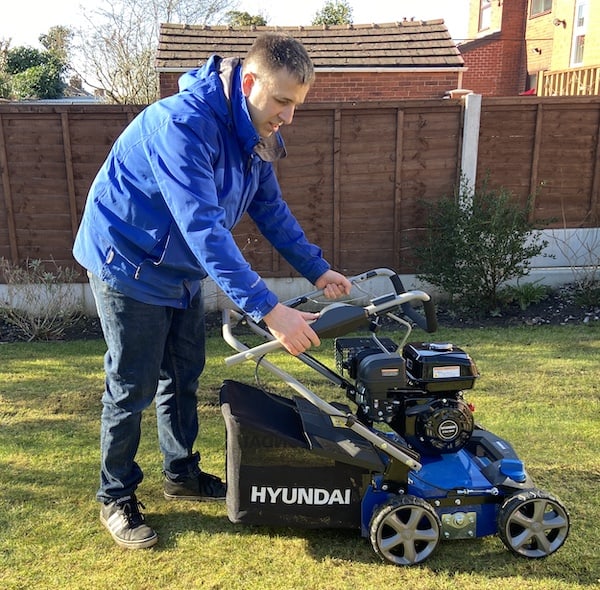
(406, 44)
(472, 44)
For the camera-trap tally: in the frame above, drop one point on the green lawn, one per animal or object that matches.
(539, 388)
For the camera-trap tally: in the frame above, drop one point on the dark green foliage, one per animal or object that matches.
(20, 59)
(334, 12)
(588, 293)
(237, 18)
(525, 294)
(29, 73)
(41, 82)
(473, 245)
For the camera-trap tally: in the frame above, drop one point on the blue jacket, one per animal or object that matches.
(160, 211)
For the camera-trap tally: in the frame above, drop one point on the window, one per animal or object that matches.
(540, 6)
(578, 45)
(579, 31)
(485, 14)
(532, 80)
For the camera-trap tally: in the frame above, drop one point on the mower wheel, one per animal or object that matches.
(405, 530)
(533, 524)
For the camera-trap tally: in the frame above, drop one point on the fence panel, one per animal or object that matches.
(359, 177)
(548, 148)
(48, 158)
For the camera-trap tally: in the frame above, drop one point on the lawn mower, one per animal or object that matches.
(409, 467)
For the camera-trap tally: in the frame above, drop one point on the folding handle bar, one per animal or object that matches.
(383, 444)
(338, 319)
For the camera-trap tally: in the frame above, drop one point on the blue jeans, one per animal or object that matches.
(153, 353)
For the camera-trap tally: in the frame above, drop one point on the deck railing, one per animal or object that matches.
(573, 82)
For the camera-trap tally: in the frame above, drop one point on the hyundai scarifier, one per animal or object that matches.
(408, 468)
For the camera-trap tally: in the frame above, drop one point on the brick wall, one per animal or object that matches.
(555, 42)
(168, 83)
(513, 71)
(540, 35)
(362, 86)
(496, 61)
(482, 60)
(357, 86)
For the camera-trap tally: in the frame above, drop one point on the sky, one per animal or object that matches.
(23, 21)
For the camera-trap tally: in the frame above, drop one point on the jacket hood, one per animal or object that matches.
(206, 84)
(218, 83)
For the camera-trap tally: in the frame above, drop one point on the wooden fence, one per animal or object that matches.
(359, 177)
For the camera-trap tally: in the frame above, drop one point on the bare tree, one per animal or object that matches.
(117, 48)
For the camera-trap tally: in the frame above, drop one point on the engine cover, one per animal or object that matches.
(439, 366)
(437, 426)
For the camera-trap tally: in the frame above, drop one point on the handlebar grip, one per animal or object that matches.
(397, 283)
(427, 323)
(430, 316)
(338, 319)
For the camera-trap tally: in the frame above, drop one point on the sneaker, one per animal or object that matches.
(203, 488)
(126, 523)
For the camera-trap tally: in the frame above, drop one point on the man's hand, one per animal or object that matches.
(334, 284)
(291, 328)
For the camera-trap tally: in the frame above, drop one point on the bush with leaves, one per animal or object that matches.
(41, 303)
(19, 59)
(5, 85)
(30, 73)
(475, 242)
(334, 12)
(39, 82)
(239, 18)
(525, 294)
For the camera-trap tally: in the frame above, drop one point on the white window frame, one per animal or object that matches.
(579, 32)
(538, 7)
(485, 15)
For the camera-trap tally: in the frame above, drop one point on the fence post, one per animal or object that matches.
(8, 197)
(470, 142)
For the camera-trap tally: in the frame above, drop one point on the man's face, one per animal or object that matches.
(272, 99)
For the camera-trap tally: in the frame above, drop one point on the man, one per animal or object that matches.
(157, 221)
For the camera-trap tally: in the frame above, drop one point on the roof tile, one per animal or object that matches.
(400, 44)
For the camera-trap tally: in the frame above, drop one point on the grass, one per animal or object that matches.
(539, 389)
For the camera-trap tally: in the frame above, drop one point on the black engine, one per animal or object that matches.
(417, 392)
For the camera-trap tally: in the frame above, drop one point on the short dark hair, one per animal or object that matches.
(274, 51)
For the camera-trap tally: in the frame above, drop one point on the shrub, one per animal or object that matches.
(5, 85)
(476, 242)
(582, 252)
(20, 59)
(41, 82)
(42, 303)
(525, 294)
(588, 293)
(30, 73)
